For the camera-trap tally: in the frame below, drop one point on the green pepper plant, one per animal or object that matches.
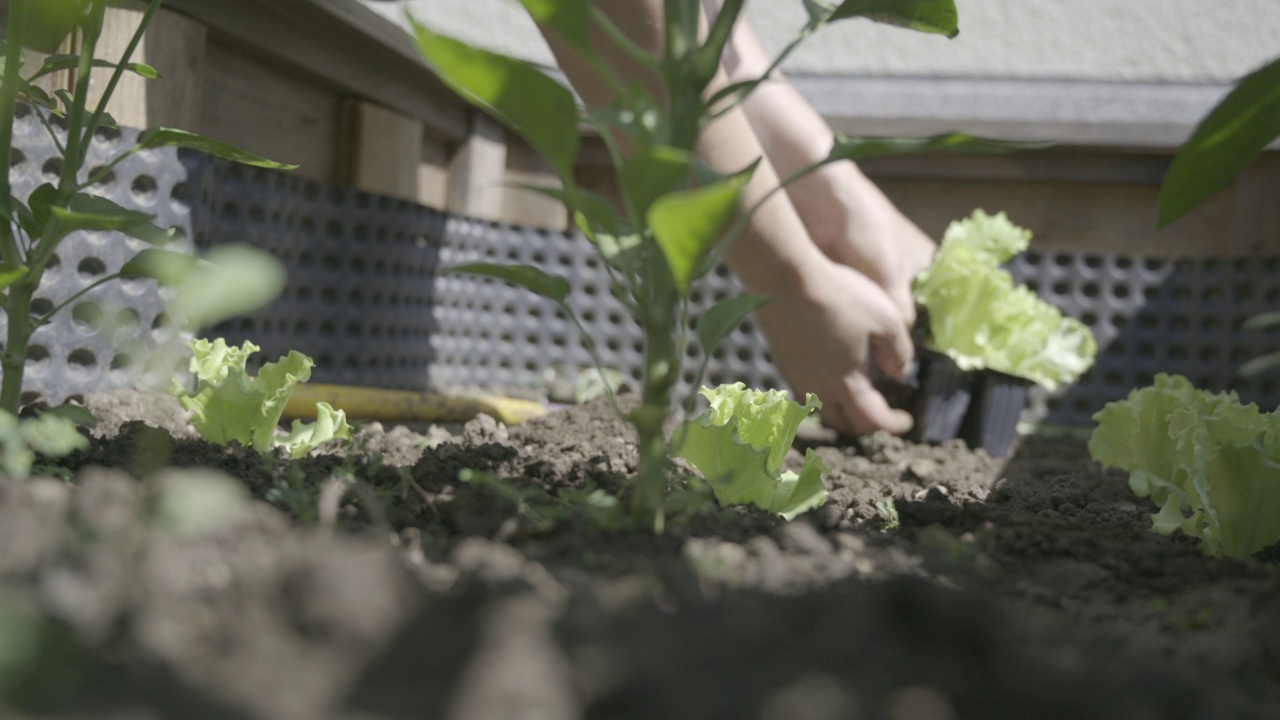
(31, 231)
(678, 216)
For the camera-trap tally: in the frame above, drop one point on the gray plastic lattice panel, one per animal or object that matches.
(1155, 316)
(365, 299)
(94, 344)
(361, 273)
(490, 333)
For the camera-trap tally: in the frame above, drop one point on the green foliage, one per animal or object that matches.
(538, 108)
(739, 445)
(1224, 143)
(47, 434)
(981, 320)
(231, 405)
(192, 501)
(1211, 464)
(31, 232)
(678, 217)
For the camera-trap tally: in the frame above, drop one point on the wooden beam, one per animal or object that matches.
(343, 43)
(272, 111)
(1074, 217)
(523, 207)
(477, 171)
(175, 45)
(386, 151)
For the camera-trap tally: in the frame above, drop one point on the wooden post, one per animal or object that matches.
(386, 148)
(520, 206)
(477, 171)
(175, 45)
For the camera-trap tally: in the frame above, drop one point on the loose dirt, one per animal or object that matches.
(375, 583)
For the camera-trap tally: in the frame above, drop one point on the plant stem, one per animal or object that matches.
(662, 370)
(8, 107)
(17, 303)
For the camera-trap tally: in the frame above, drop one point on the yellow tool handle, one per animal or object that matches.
(362, 403)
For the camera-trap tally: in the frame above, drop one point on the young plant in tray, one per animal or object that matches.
(980, 319)
(32, 230)
(678, 216)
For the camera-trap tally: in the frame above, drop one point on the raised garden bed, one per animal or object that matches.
(1021, 587)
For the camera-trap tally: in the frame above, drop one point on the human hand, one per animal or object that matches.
(822, 337)
(853, 223)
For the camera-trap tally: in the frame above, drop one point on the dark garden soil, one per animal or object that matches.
(1022, 588)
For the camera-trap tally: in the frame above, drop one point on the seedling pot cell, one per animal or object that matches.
(942, 399)
(997, 403)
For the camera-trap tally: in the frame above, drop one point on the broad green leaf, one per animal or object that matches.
(541, 110)
(550, 286)
(77, 414)
(11, 273)
(716, 323)
(89, 212)
(570, 19)
(687, 224)
(170, 137)
(1262, 320)
(164, 266)
(653, 172)
(131, 223)
(930, 16)
(230, 281)
(192, 501)
(40, 201)
(68, 100)
(847, 148)
(1260, 364)
(708, 56)
(56, 63)
(1224, 143)
(37, 96)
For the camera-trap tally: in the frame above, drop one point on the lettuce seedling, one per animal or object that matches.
(980, 319)
(47, 434)
(1209, 462)
(231, 405)
(739, 444)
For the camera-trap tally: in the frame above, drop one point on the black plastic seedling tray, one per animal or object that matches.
(981, 407)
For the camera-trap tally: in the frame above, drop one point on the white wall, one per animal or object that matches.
(1161, 41)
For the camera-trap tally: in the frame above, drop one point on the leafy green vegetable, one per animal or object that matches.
(1226, 141)
(47, 434)
(1209, 462)
(229, 404)
(739, 444)
(981, 320)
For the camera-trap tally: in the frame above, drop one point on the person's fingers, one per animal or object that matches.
(864, 411)
(892, 347)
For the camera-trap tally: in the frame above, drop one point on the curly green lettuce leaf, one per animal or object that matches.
(231, 405)
(739, 445)
(981, 319)
(1209, 462)
(330, 424)
(46, 434)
